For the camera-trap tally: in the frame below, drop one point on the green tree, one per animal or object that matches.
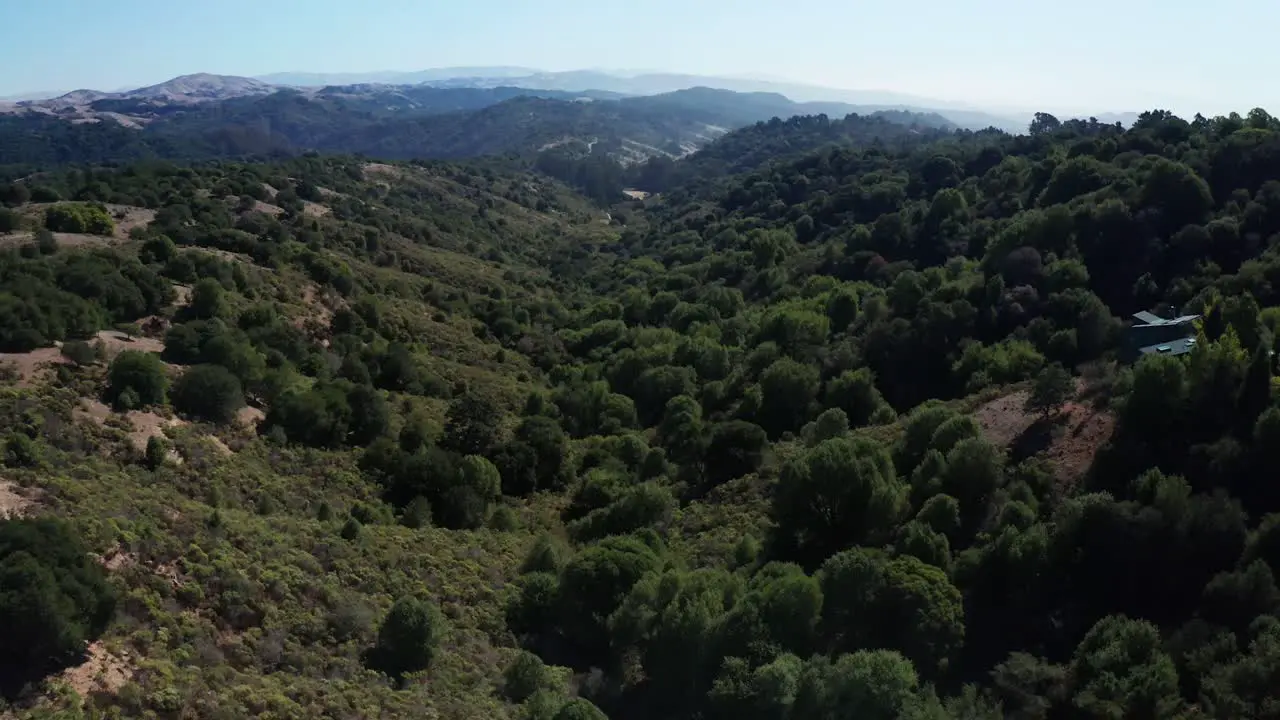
(208, 299)
(136, 379)
(788, 389)
(1120, 670)
(843, 491)
(467, 502)
(408, 638)
(53, 599)
(471, 425)
(1052, 388)
(580, 709)
(208, 392)
(526, 675)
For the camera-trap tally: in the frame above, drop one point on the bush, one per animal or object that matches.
(9, 220)
(79, 218)
(53, 599)
(208, 392)
(136, 379)
(408, 638)
(79, 352)
(524, 677)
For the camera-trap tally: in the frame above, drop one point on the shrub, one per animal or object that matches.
(79, 352)
(79, 218)
(53, 599)
(408, 637)
(209, 392)
(526, 675)
(136, 379)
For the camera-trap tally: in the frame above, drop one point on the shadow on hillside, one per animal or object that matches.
(1037, 437)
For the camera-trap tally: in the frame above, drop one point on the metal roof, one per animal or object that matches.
(1148, 320)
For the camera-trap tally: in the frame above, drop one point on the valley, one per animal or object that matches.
(456, 402)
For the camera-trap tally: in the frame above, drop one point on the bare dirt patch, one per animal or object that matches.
(267, 209)
(181, 295)
(147, 425)
(28, 367)
(14, 501)
(143, 424)
(636, 194)
(314, 209)
(250, 416)
(1068, 440)
(102, 672)
(271, 192)
(382, 170)
(128, 217)
(117, 342)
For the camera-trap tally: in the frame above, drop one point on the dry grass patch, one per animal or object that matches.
(30, 367)
(116, 342)
(102, 672)
(14, 500)
(1068, 440)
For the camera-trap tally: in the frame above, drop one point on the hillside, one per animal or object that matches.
(390, 122)
(838, 425)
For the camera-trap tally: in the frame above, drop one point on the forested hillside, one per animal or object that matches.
(842, 423)
(398, 122)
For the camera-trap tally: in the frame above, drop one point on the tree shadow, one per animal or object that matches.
(1037, 437)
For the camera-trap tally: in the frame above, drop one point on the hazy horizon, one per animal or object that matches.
(997, 55)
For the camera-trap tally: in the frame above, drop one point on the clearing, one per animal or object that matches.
(13, 503)
(1069, 440)
(27, 367)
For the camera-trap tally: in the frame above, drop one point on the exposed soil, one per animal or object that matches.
(250, 416)
(1069, 440)
(13, 503)
(382, 170)
(117, 342)
(314, 209)
(143, 425)
(29, 367)
(267, 209)
(101, 672)
(147, 425)
(636, 194)
(128, 217)
(271, 192)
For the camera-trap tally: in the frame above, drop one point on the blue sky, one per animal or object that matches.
(1080, 56)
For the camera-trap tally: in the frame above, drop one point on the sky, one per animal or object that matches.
(1085, 56)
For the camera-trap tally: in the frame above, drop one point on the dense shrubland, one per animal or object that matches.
(718, 462)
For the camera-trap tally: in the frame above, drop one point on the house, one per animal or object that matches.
(1150, 334)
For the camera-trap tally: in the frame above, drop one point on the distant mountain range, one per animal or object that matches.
(203, 116)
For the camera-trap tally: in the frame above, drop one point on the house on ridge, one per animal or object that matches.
(1151, 334)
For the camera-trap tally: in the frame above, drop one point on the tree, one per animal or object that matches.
(1120, 670)
(466, 502)
(1052, 388)
(787, 392)
(735, 448)
(471, 425)
(408, 637)
(595, 583)
(871, 600)
(841, 492)
(53, 599)
(208, 299)
(208, 392)
(526, 675)
(580, 709)
(136, 379)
